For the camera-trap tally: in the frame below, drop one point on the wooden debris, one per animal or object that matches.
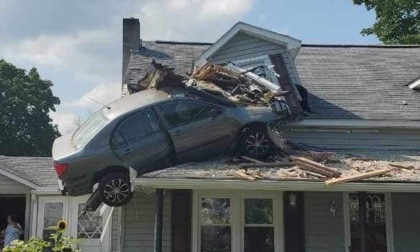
(242, 174)
(267, 165)
(403, 166)
(309, 165)
(357, 177)
(251, 159)
(316, 175)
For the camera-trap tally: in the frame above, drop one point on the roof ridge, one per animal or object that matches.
(359, 46)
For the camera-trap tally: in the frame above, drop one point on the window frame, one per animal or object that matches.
(388, 218)
(238, 216)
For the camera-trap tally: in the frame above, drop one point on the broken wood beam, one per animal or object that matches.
(314, 169)
(263, 164)
(251, 159)
(242, 174)
(310, 163)
(357, 177)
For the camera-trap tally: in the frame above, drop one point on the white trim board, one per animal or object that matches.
(289, 185)
(18, 179)
(293, 45)
(355, 124)
(415, 84)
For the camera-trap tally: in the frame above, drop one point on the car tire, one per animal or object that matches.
(115, 189)
(255, 143)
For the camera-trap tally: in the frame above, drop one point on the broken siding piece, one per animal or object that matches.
(357, 177)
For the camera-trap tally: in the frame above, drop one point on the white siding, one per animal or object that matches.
(10, 186)
(385, 140)
(139, 222)
(243, 46)
(323, 231)
(116, 229)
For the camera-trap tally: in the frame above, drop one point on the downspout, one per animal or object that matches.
(158, 220)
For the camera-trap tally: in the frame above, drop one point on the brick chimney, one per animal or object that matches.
(131, 40)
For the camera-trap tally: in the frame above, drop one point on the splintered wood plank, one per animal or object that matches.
(242, 174)
(314, 169)
(314, 164)
(357, 177)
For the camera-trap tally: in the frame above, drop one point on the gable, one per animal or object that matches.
(243, 46)
(10, 186)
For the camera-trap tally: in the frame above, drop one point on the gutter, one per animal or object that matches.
(265, 185)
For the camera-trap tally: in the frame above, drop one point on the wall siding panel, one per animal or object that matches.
(10, 186)
(403, 140)
(323, 232)
(139, 223)
(406, 221)
(243, 46)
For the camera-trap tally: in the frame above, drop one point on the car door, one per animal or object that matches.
(198, 130)
(141, 143)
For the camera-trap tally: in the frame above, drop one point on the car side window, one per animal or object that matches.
(138, 126)
(181, 113)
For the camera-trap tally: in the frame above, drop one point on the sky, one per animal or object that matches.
(77, 44)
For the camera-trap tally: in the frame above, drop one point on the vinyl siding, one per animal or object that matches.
(406, 221)
(10, 186)
(384, 140)
(243, 46)
(139, 222)
(116, 229)
(323, 232)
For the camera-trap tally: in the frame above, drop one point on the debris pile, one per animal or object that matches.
(229, 83)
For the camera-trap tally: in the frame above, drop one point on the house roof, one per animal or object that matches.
(347, 162)
(343, 81)
(37, 171)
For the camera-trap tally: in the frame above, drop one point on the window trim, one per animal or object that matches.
(238, 216)
(388, 213)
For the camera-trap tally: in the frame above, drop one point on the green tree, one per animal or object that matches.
(397, 21)
(25, 101)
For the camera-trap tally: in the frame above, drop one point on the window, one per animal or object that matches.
(238, 221)
(181, 113)
(89, 128)
(137, 127)
(89, 225)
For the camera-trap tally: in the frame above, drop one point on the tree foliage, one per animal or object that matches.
(25, 101)
(397, 21)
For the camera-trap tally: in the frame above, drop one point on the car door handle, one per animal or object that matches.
(127, 151)
(177, 133)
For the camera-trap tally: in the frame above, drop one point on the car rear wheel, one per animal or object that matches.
(115, 189)
(255, 142)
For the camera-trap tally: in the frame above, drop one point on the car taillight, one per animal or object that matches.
(60, 169)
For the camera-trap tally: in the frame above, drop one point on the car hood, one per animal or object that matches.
(62, 147)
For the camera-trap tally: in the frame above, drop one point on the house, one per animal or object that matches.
(361, 102)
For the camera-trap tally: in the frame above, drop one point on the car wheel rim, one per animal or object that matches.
(257, 143)
(116, 190)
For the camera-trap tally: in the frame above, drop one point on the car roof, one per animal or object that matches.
(133, 102)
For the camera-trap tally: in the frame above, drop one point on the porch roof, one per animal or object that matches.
(35, 171)
(349, 163)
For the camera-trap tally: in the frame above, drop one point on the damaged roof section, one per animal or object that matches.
(402, 166)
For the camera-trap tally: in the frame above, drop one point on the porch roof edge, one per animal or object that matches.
(229, 184)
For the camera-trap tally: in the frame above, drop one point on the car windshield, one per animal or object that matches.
(89, 128)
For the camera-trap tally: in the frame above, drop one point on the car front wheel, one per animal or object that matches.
(255, 142)
(115, 189)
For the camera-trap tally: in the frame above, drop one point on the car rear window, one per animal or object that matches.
(89, 128)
